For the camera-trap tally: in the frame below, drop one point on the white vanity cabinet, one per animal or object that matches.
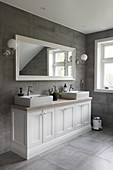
(64, 120)
(35, 130)
(82, 114)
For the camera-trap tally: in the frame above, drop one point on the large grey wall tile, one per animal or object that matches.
(1, 76)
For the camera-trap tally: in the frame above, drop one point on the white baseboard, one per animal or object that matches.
(27, 154)
(54, 143)
(19, 150)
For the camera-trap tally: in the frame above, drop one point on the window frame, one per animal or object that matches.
(66, 63)
(58, 64)
(99, 64)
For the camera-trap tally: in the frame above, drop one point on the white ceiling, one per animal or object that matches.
(86, 16)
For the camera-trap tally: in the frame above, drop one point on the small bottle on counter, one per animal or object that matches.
(21, 92)
(65, 88)
(55, 93)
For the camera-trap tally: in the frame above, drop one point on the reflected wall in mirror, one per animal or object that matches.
(41, 60)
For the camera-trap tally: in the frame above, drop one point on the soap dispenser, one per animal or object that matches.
(65, 88)
(21, 93)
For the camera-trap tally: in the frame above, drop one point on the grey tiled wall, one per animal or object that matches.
(102, 104)
(14, 21)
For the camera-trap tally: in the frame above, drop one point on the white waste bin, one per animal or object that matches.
(97, 123)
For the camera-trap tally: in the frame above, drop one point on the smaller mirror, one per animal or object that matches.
(41, 60)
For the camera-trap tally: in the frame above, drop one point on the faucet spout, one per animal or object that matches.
(29, 90)
(71, 87)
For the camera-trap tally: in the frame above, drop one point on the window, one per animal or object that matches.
(58, 64)
(104, 65)
(61, 63)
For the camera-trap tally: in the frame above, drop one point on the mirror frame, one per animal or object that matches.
(47, 44)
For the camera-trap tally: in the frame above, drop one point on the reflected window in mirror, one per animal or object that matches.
(60, 62)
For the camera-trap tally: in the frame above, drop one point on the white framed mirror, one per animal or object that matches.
(41, 60)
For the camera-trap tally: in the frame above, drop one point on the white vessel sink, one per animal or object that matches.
(33, 100)
(74, 95)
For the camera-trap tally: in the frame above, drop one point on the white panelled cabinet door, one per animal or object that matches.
(35, 128)
(64, 120)
(68, 118)
(78, 116)
(48, 124)
(59, 121)
(82, 114)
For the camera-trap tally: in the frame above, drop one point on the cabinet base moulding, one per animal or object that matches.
(19, 150)
(27, 154)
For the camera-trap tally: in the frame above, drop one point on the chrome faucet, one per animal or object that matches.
(71, 87)
(54, 88)
(29, 90)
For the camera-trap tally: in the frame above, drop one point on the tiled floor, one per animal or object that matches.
(91, 151)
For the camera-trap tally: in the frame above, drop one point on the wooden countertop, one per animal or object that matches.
(59, 102)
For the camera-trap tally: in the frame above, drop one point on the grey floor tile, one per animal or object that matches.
(104, 136)
(40, 164)
(10, 161)
(96, 164)
(77, 154)
(89, 145)
(9, 158)
(53, 149)
(67, 157)
(107, 154)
